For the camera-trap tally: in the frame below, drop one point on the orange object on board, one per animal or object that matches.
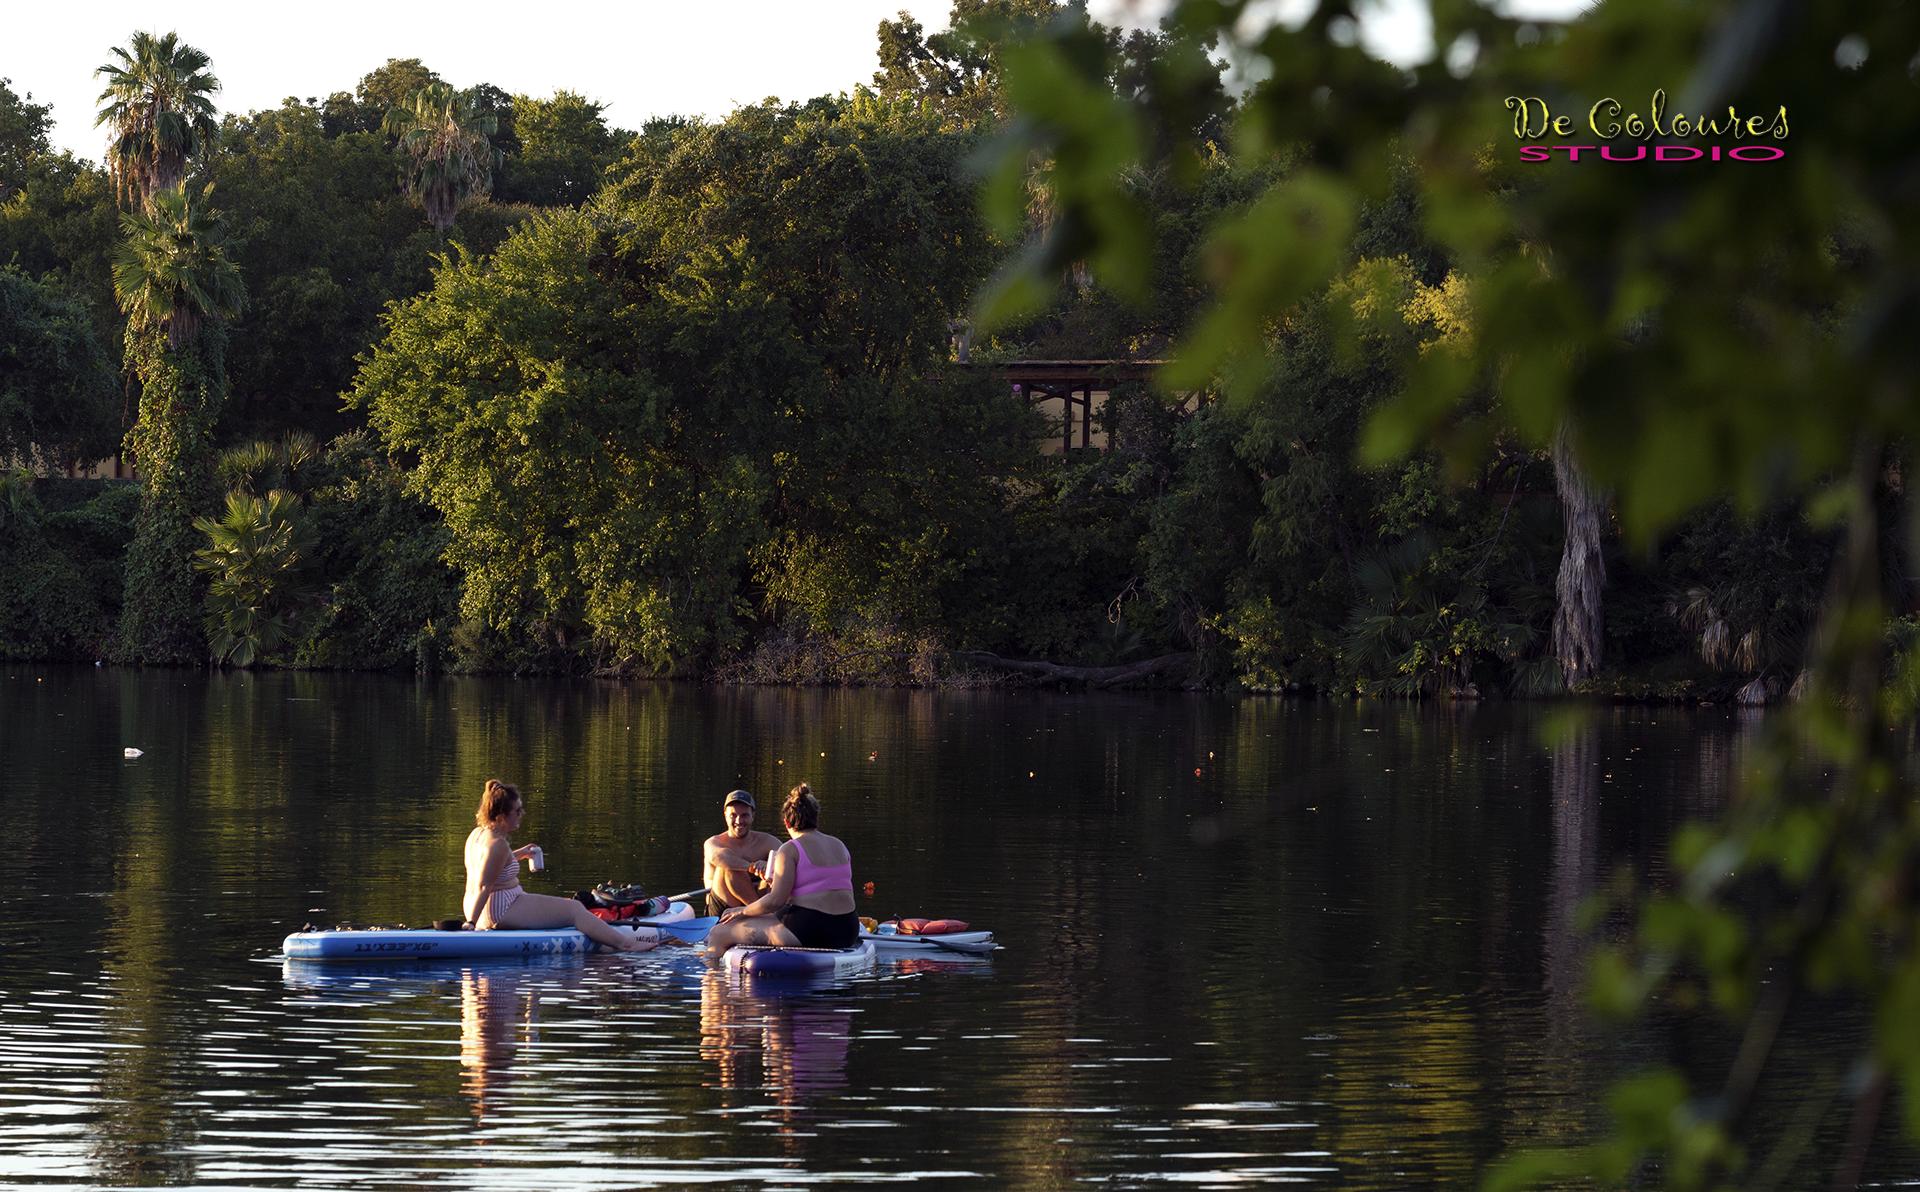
(943, 927)
(913, 926)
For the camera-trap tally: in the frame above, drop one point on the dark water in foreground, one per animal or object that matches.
(1246, 941)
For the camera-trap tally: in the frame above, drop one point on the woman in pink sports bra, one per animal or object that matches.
(494, 897)
(809, 903)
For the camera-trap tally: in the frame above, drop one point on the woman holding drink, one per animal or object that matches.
(494, 898)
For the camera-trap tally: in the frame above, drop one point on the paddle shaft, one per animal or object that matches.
(971, 949)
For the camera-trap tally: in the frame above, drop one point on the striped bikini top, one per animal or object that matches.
(509, 873)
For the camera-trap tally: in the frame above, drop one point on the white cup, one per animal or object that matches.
(536, 860)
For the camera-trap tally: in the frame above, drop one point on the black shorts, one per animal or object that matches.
(817, 929)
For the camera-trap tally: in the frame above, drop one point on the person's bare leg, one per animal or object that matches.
(534, 912)
(735, 886)
(762, 930)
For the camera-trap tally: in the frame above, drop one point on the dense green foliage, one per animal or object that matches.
(62, 557)
(56, 382)
(710, 392)
(180, 392)
(678, 398)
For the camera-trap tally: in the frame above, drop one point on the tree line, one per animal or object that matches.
(537, 393)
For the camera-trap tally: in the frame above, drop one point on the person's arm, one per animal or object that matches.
(720, 857)
(779, 890)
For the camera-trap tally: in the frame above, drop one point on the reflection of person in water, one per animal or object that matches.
(727, 1024)
(802, 1041)
(490, 1020)
(806, 1044)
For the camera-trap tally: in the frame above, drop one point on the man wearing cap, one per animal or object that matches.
(736, 859)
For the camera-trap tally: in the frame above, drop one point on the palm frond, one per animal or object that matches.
(446, 139)
(172, 272)
(259, 555)
(157, 106)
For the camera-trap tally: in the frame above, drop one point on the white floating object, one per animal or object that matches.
(132, 752)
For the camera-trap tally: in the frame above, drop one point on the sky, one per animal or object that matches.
(641, 58)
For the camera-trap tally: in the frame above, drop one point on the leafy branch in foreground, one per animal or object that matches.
(1730, 328)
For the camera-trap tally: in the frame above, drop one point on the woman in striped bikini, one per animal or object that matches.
(494, 897)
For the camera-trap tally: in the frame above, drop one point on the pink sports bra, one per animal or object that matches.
(818, 879)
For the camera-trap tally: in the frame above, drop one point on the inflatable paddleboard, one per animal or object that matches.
(891, 944)
(799, 962)
(399, 943)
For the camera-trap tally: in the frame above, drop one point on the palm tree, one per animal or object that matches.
(156, 104)
(177, 285)
(258, 557)
(446, 138)
(173, 274)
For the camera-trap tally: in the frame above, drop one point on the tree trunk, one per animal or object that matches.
(1577, 617)
(162, 620)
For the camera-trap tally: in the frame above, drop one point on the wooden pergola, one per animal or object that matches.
(1074, 382)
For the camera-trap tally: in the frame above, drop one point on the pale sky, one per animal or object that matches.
(641, 58)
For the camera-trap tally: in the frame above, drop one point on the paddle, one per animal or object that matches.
(691, 930)
(689, 896)
(972, 948)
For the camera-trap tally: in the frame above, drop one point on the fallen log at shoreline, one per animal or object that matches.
(1095, 676)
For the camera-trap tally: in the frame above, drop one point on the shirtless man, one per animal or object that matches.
(735, 861)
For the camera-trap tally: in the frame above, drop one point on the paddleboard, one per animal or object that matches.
(889, 944)
(760, 961)
(412, 944)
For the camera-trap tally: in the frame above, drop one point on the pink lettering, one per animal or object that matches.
(1535, 153)
(1639, 154)
(1660, 153)
(1573, 151)
(1765, 152)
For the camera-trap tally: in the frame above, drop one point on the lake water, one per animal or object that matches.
(1246, 941)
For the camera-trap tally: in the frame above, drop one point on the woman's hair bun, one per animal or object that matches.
(801, 810)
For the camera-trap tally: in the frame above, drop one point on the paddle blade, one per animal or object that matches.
(691, 930)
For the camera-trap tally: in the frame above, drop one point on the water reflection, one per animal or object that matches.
(499, 1012)
(1246, 940)
(1574, 792)
(799, 1038)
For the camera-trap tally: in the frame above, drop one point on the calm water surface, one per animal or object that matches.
(1245, 941)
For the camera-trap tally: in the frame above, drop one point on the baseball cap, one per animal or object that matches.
(740, 797)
